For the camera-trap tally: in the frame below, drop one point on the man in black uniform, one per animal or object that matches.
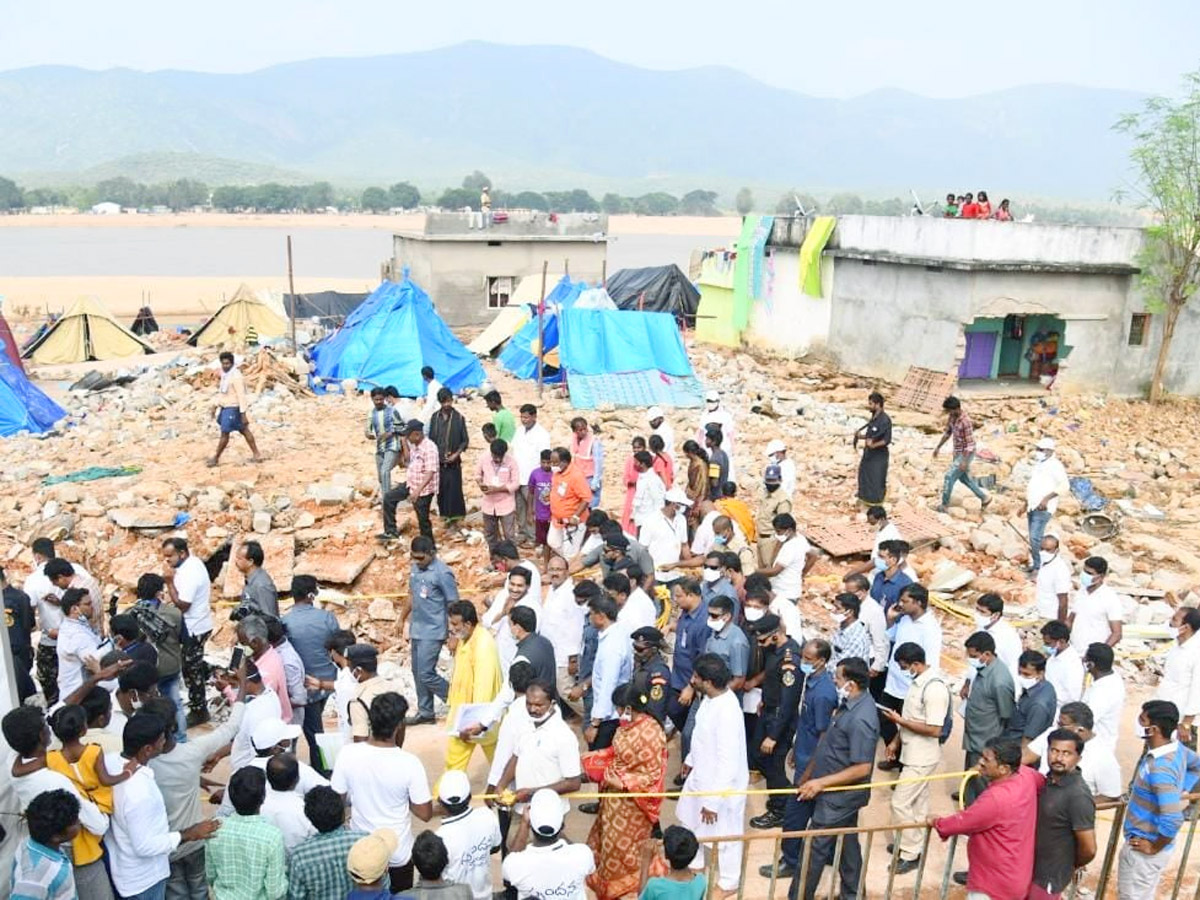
(18, 616)
(650, 671)
(780, 705)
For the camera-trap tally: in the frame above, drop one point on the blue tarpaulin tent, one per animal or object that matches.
(23, 407)
(389, 337)
(626, 358)
(519, 356)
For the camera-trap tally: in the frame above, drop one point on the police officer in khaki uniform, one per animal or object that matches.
(777, 720)
(650, 670)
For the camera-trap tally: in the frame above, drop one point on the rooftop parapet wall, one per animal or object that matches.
(520, 223)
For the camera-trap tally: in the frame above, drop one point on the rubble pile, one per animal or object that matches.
(312, 501)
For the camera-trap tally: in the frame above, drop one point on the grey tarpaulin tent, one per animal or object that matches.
(654, 289)
(331, 307)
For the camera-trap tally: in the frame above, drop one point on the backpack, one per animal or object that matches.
(948, 724)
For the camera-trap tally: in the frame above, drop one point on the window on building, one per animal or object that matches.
(499, 289)
(1139, 325)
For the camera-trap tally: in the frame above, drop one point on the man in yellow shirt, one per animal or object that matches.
(477, 680)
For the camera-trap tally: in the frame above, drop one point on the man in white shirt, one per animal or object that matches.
(612, 668)
(1064, 665)
(913, 622)
(432, 386)
(140, 841)
(1105, 696)
(471, 836)
(649, 492)
(989, 617)
(716, 769)
(562, 622)
(870, 613)
(794, 558)
(517, 593)
(552, 867)
(636, 608)
(777, 455)
(546, 755)
(78, 646)
(665, 535)
(1053, 581)
(1097, 614)
(1101, 771)
(716, 414)
(514, 724)
(283, 805)
(527, 445)
(1047, 483)
(1181, 671)
(385, 785)
(262, 705)
(659, 425)
(189, 588)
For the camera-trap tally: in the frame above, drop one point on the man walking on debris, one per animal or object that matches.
(231, 410)
(958, 427)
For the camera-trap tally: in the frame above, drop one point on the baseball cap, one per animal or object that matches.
(773, 475)
(546, 813)
(1046, 444)
(768, 624)
(713, 397)
(647, 634)
(617, 541)
(776, 446)
(360, 654)
(454, 787)
(654, 412)
(270, 732)
(368, 859)
(414, 425)
(675, 495)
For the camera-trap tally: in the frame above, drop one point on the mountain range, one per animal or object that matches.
(559, 117)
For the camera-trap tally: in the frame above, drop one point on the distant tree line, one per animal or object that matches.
(273, 197)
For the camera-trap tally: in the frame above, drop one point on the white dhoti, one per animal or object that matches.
(731, 817)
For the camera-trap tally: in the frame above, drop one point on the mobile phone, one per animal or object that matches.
(235, 661)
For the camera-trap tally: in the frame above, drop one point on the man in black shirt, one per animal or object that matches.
(531, 646)
(651, 674)
(1065, 839)
(18, 616)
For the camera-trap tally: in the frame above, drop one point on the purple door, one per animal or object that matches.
(981, 348)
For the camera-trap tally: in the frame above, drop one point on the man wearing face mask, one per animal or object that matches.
(715, 583)
(772, 737)
(772, 502)
(545, 755)
(1101, 771)
(871, 614)
(364, 666)
(989, 706)
(570, 498)
(1047, 483)
(613, 667)
(1155, 812)
(890, 576)
(1064, 665)
(989, 617)
(650, 669)
(728, 641)
(691, 634)
(717, 418)
(1097, 615)
(1181, 672)
(1053, 581)
(876, 435)
(253, 638)
(913, 622)
(792, 561)
(431, 588)
(777, 456)
(1105, 696)
(1034, 713)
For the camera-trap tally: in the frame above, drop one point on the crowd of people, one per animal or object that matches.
(972, 206)
(678, 614)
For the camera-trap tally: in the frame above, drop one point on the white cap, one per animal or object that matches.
(1046, 444)
(713, 397)
(776, 446)
(546, 813)
(454, 787)
(270, 732)
(654, 412)
(675, 495)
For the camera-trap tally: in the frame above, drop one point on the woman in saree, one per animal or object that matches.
(697, 481)
(636, 763)
(630, 480)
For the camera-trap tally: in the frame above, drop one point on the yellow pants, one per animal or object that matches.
(458, 752)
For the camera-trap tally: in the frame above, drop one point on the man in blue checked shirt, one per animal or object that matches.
(1167, 771)
(384, 427)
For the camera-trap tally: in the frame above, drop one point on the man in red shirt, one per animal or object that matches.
(570, 497)
(1001, 824)
(970, 209)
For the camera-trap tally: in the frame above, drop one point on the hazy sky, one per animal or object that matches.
(932, 47)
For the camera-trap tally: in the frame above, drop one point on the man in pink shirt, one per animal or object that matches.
(252, 635)
(424, 467)
(1001, 824)
(498, 478)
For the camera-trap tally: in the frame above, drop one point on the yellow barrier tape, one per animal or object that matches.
(743, 792)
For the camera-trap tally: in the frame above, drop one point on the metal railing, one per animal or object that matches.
(1173, 876)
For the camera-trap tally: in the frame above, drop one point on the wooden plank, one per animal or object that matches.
(851, 538)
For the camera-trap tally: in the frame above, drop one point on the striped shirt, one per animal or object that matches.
(962, 433)
(1156, 797)
(422, 460)
(382, 424)
(317, 867)
(853, 640)
(41, 873)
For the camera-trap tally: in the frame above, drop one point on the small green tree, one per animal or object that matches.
(616, 205)
(658, 203)
(845, 204)
(1166, 160)
(457, 198)
(10, 195)
(476, 182)
(375, 199)
(404, 195)
(530, 200)
(744, 201)
(699, 203)
(230, 197)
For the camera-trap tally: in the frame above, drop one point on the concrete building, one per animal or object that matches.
(993, 301)
(470, 271)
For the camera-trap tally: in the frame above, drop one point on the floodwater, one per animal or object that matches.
(189, 251)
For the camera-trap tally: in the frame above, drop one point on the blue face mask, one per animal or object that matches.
(1048, 650)
(1087, 579)
(807, 668)
(719, 540)
(881, 564)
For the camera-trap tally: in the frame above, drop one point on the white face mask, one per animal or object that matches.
(711, 575)
(1040, 456)
(839, 618)
(982, 621)
(844, 692)
(753, 614)
(1026, 683)
(539, 720)
(1048, 556)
